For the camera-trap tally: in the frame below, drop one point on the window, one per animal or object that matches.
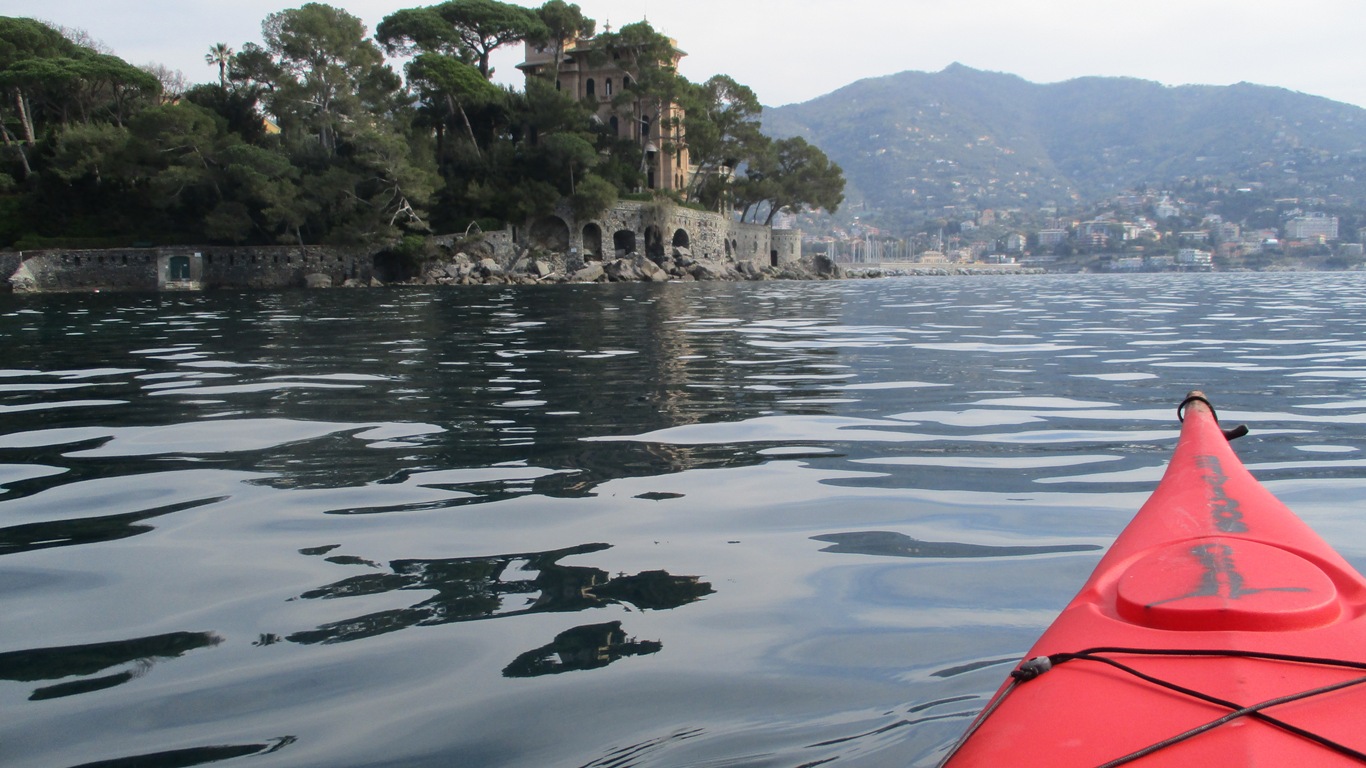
(607, 87)
(590, 89)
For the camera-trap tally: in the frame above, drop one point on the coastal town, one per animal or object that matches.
(1144, 231)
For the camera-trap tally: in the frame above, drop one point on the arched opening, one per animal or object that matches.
(607, 86)
(616, 126)
(623, 242)
(592, 242)
(179, 268)
(681, 239)
(551, 233)
(654, 243)
(590, 89)
(773, 258)
(728, 251)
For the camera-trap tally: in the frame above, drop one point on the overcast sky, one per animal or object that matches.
(795, 50)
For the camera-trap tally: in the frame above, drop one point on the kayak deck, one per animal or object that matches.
(1216, 598)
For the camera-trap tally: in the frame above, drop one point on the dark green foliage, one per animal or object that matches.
(312, 137)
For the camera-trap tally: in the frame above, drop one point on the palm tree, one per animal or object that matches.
(220, 54)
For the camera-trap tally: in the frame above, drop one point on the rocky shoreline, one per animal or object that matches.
(678, 265)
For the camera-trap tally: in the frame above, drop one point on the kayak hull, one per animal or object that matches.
(1212, 574)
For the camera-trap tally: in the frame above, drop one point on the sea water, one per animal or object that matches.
(762, 524)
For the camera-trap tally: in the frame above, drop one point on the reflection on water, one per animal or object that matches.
(482, 587)
(87, 660)
(86, 530)
(290, 472)
(891, 544)
(185, 758)
(587, 647)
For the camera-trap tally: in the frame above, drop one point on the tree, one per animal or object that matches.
(326, 71)
(446, 86)
(721, 127)
(562, 22)
(171, 82)
(50, 82)
(473, 28)
(220, 54)
(790, 175)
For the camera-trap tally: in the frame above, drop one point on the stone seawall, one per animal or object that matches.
(660, 232)
(186, 268)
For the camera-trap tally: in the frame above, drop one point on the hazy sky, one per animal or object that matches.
(794, 50)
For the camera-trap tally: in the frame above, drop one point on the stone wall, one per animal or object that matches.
(150, 269)
(657, 231)
(282, 266)
(133, 269)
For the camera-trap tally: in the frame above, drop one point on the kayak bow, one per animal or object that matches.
(1217, 630)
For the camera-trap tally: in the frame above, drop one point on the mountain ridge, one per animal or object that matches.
(915, 144)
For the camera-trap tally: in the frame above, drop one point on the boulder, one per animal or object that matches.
(652, 272)
(539, 268)
(22, 281)
(490, 268)
(623, 270)
(825, 267)
(706, 271)
(591, 273)
(317, 280)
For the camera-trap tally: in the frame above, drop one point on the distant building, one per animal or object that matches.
(1051, 237)
(1194, 258)
(1311, 226)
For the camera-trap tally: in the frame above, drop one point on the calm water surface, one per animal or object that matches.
(771, 524)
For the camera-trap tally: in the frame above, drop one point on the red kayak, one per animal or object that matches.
(1219, 630)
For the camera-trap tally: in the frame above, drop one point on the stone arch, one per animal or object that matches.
(654, 243)
(681, 238)
(728, 249)
(551, 233)
(592, 242)
(624, 242)
(773, 258)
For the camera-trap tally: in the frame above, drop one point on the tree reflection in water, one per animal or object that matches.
(475, 588)
(86, 660)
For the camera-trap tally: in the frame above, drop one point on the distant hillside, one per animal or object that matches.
(911, 144)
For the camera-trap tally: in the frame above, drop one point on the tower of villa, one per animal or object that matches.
(590, 72)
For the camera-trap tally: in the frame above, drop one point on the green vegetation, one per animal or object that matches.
(312, 136)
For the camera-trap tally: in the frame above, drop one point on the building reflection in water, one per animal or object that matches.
(587, 647)
(475, 588)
